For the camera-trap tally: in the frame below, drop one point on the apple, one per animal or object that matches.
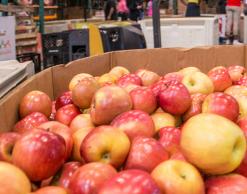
(66, 114)
(196, 106)
(109, 102)
(240, 94)
(236, 72)
(35, 101)
(221, 104)
(198, 82)
(145, 149)
(130, 181)
(63, 176)
(119, 71)
(51, 190)
(30, 122)
(201, 134)
(173, 76)
(159, 86)
(78, 138)
(175, 98)
(39, 154)
(105, 144)
(77, 78)
(242, 81)
(178, 155)
(143, 99)
(178, 177)
(189, 70)
(220, 78)
(130, 87)
(62, 130)
(162, 119)
(242, 123)
(64, 99)
(227, 184)
(81, 121)
(129, 79)
(106, 79)
(7, 142)
(83, 92)
(169, 138)
(13, 180)
(90, 177)
(135, 123)
(148, 77)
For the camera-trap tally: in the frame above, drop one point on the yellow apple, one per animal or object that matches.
(188, 70)
(178, 177)
(107, 79)
(213, 143)
(163, 119)
(119, 71)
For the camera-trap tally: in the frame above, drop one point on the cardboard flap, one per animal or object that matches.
(9, 104)
(62, 74)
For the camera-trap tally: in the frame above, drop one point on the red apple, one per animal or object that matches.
(175, 98)
(159, 86)
(83, 92)
(78, 138)
(130, 181)
(106, 144)
(129, 79)
(169, 138)
(221, 104)
(143, 99)
(30, 122)
(89, 178)
(51, 190)
(109, 102)
(148, 77)
(82, 121)
(63, 176)
(7, 142)
(62, 130)
(221, 78)
(148, 150)
(13, 180)
(66, 114)
(227, 184)
(236, 72)
(35, 101)
(39, 154)
(196, 106)
(173, 76)
(242, 81)
(64, 99)
(135, 123)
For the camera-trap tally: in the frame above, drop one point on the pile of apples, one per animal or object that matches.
(132, 133)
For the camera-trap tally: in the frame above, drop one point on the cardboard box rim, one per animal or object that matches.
(55, 80)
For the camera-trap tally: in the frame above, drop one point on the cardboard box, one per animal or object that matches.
(55, 80)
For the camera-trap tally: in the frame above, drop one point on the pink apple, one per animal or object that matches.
(227, 184)
(145, 149)
(143, 99)
(129, 79)
(159, 86)
(148, 77)
(106, 144)
(169, 138)
(221, 78)
(64, 99)
(196, 106)
(135, 123)
(39, 154)
(173, 76)
(89, 178)
(236, 72)
(30, 122)
(242, 81)
(175, 98)
(7, 143)
(130, 181)
(62, 130)
(66, 114)
(221, 104)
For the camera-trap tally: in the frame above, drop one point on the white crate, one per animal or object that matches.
(184, 32)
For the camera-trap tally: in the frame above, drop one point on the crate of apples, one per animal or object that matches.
(132, 133)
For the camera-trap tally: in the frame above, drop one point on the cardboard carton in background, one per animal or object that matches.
(55, 80)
